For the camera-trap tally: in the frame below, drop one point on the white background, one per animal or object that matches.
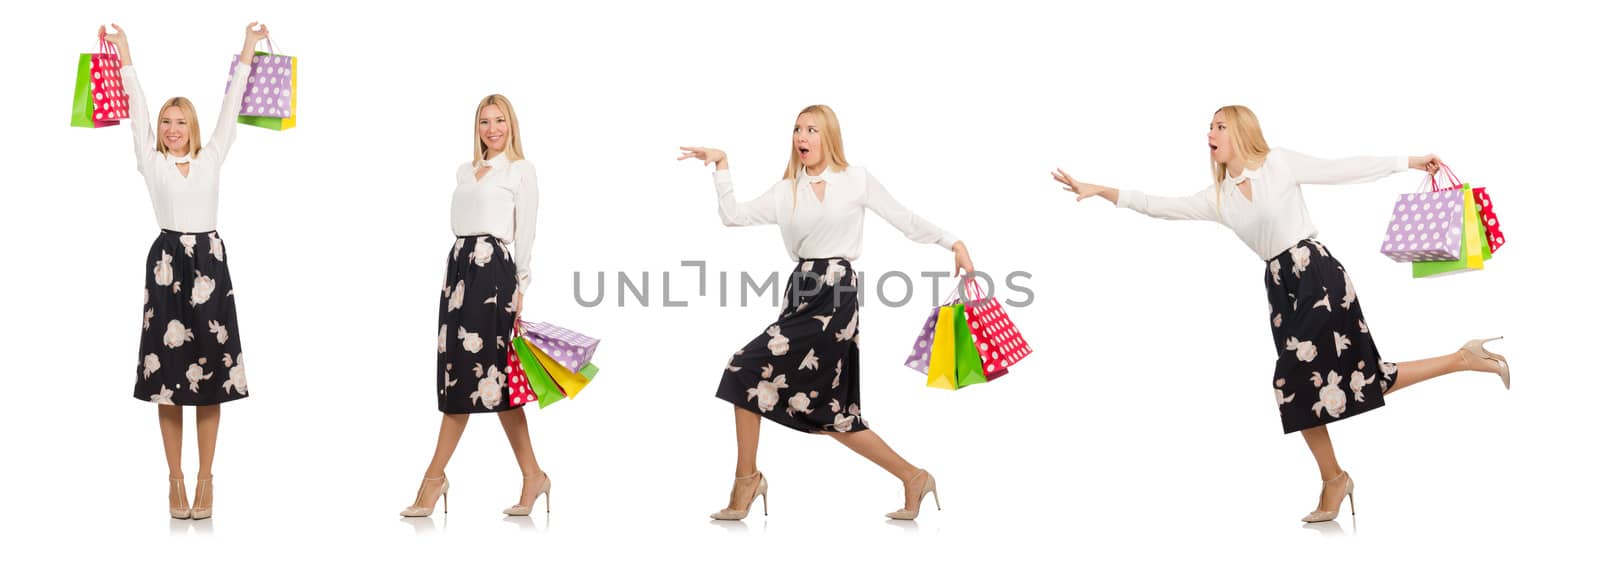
(1143, 430)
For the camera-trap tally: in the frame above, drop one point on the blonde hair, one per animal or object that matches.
(514, 146)
(1249, 145)
(832, 147)
(187, 108)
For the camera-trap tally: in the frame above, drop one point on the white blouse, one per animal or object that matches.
(830, 227)
(505, 204)
(184, 203)
(1275, 217)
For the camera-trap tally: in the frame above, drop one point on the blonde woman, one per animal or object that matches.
(493, 213)
(189, 351)
(1328, 365)
(802, 371)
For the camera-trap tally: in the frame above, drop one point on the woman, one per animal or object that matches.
(493, 213)
(189, 351)
(801, 372)
(1328, 365)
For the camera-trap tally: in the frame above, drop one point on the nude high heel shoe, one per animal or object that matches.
(176, 483)
(521, 510)
(728, 514)
(202, 485)
(1349, 492)
(421, 512)
(1503, 368)
(928, 487)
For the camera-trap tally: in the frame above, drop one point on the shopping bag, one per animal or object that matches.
(517, 380)
(569, 348)
(540, 382)
(942, 361)
(1000, 345)
(98, 98)
(923, 346)
(969, 367)
(271, 96)
(1426, 226)
(1474, 246)
(1491, 222)
(569, 382)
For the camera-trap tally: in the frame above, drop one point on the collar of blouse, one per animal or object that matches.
(1233, 182)
(498, 161)
(828, 175)
(177, 158)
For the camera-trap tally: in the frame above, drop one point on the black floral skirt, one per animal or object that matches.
(1328, 367)
(803, 371)
(189, 352)
(476, 321)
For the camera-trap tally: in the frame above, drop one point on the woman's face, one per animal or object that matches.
(808, 140)
(174, 130)
(494, 129)
(1220, 140)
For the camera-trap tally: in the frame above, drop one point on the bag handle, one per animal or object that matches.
(108, 48)
(970, 285)
(1455, 183)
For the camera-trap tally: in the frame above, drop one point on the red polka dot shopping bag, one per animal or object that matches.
(98, 99)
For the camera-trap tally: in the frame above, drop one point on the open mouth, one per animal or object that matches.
(1213, 147)
(805, 151)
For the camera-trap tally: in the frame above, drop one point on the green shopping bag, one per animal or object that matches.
(969, 368)
(589, 371)
(1474, 244)
(544, 387)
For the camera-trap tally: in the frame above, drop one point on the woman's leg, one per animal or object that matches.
(1414, 372)
(450, 429)
(747, 429)
(206, 419)
(515, 423)
(171, 417)
(1327, 465)
(870, 445)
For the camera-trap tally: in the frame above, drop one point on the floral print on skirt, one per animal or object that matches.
(189, 351)
(476, 322)
(803, 371)
(1328, 367)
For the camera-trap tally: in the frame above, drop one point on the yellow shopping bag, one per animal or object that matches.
(942, 360)
(571, 383)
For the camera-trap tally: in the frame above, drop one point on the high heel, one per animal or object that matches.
(729, 514)
(202, 485)
(421, 512)
(176, 483)
(521, 510)
(1502, 367)
(1349, 492)
(928, 487)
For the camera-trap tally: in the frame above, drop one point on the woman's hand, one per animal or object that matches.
(516, 304)
(253, 34)
(1083, 189)
(120, 40)
(705, 156)
(1430, 163)
(963, 260)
